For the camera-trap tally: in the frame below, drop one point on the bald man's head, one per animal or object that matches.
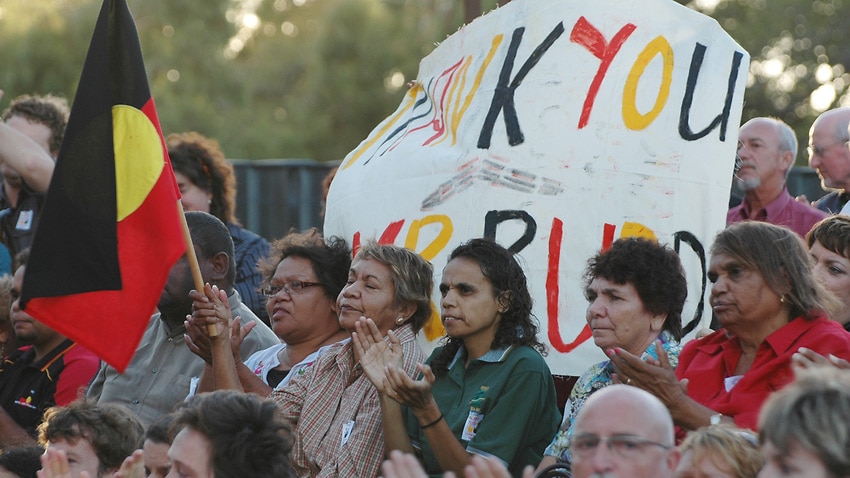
(828, 150)
(634, 431)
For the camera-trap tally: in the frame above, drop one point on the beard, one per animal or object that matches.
(748, 184)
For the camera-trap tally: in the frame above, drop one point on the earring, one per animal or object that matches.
(399, 320)
(782, 299)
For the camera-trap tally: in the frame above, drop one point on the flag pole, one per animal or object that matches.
(192, 258)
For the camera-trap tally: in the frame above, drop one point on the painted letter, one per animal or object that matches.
(589, 37)
(722, 119)
(633, 118)
(503, 96)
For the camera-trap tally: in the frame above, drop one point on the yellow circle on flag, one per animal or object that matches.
(138, 157)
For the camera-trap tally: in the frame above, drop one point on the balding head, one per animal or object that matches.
(767, 148)
(634, 416)
(829, 152)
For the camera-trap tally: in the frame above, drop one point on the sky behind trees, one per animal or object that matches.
(311, 78)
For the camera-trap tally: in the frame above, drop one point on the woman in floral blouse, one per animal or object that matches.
(635, 293)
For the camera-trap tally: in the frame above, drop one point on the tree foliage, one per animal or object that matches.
(311, 78)
(798, 56)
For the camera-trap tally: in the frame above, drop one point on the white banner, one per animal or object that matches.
(556, 127)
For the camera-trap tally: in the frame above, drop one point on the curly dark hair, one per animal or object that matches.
(329, 258)
(49, 110)
(501, 268)
(653, 269)
(201, 160)
(246, 437)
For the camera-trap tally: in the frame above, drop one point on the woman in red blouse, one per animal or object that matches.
(769, 305)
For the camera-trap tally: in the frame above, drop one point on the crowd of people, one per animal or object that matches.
(317, 370)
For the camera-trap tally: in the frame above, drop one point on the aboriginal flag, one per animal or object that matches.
(109, 230)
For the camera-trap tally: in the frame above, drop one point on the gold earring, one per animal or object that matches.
(782, 299)
(399, 320)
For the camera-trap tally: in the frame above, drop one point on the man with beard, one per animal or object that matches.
(767, 148)
(48, 370)
(159, 375)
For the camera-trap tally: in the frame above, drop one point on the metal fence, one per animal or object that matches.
(276, 195)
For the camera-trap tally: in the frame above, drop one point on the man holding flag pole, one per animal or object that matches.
(110, 229)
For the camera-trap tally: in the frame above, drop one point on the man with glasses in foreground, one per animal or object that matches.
(623, 431)
(829, 154)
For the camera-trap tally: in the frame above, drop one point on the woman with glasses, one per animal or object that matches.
(303, 276)
(487, 391)
(635, 293)
(333, 408)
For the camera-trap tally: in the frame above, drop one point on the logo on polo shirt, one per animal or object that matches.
(476, 413)
(26, 401)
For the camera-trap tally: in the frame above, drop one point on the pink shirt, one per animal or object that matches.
(783, 211)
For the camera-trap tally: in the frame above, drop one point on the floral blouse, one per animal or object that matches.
(596, 377)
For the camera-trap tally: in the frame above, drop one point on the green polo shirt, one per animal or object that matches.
(502, 405)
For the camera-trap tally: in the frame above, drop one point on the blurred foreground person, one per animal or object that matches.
(623, 432)
(719, 452)
(229, 434)
(803, 428)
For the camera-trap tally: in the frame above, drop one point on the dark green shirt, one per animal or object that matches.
(502, 405)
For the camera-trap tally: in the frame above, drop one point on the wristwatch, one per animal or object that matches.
(715, 419)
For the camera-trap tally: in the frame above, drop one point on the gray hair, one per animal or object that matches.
(412, 275)
(787, 137)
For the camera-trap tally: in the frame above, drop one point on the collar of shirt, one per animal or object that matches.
(492, 355)
(772, 209)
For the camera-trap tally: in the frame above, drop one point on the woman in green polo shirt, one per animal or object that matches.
(487, 390)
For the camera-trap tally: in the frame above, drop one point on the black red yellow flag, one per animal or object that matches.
(109, 231)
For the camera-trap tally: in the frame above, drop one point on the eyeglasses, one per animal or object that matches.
(625, 446)
(820, 150)
(288, 287)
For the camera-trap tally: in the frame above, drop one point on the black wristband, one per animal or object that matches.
(432, 423)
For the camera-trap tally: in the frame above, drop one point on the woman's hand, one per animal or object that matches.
(415, 394)
(374, 353)
(212, 308)
(808, 358)
(656, 377)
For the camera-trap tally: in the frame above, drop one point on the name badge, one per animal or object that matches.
(471, 425)
(24, 221)
(347, 427)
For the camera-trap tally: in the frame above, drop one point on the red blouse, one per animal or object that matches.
(708, 361)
